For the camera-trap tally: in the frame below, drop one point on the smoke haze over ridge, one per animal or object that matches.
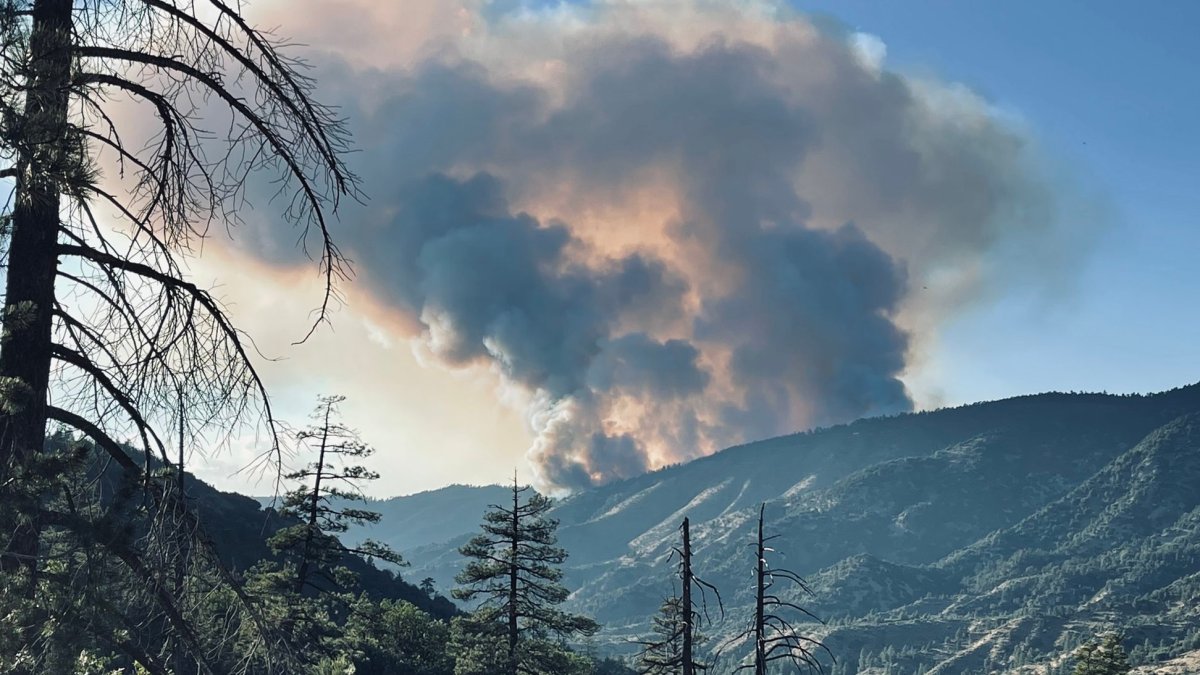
(671, 226)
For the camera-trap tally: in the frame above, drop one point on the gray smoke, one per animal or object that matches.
(804, 188)
(491, 286)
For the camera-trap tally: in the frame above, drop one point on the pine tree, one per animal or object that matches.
(62, 65)
(1102, 656)
(515, 572)
(307, 593)
(663, 653)
(428, 587)
(104, 331)
(326, 486)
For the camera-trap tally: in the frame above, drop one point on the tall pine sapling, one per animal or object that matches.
(514, 573)
(327, 485)
(662, 654)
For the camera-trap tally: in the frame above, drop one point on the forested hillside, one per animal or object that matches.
(962, 540)
(240, 527)
(617, 236)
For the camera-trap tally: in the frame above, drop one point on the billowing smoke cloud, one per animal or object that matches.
(491, 286)
(673, 226)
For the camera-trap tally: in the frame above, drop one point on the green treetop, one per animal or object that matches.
(514, 573)
(1102, 656)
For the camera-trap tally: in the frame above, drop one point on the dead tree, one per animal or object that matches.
(673, 649)
(776, 638)
(99, 315)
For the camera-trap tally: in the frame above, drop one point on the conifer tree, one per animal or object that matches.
(309, 591)
(321, 501)
(663, 653)
(1102, 656)
(515, 574)
(98, 306)
(110, 181)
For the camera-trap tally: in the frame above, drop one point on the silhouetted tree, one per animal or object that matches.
(776, 638)
(676, 628)
(97, 306)
(514, 570)
(328, 485)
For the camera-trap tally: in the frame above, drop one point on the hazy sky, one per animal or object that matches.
(608, 236)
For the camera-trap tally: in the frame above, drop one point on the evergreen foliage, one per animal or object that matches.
(100, 312)
(396, 637)
(990, 538)
(662, 654)
(1102, 656)
(322, 500)
(514, 575)
(92, 617)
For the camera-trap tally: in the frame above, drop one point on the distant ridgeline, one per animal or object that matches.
(986, 538)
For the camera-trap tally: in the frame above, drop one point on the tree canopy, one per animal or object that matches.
(514, 575)
(113, 184)
(1102, 656)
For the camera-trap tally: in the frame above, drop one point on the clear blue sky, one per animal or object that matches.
(1110, 90)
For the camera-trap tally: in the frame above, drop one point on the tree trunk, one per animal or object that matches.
(688, 613)
(512, 582)
(314, 508)
(760, 645)
(32, 263)
(182, 535)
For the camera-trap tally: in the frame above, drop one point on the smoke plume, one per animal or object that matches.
(673, 226)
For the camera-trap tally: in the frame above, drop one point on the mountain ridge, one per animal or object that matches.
(881, 513)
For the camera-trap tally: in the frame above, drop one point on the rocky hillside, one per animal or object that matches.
(975, 539)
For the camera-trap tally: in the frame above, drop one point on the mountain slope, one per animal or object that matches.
(430, 517)
(1122, 547)
(905, 524)
(239, 527)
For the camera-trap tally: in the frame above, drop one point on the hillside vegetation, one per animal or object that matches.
(976, 539)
